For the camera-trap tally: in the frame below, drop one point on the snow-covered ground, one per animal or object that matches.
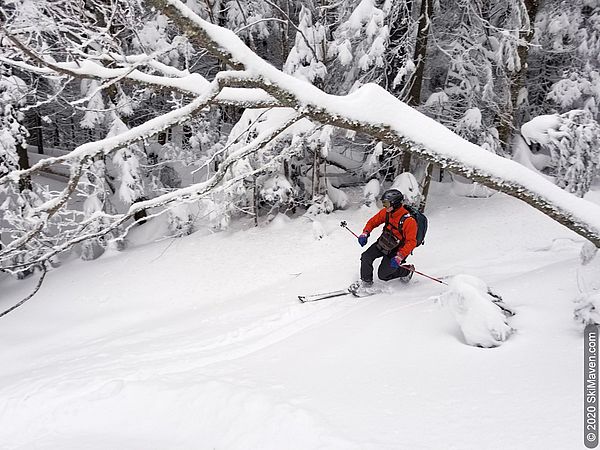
(201, 343)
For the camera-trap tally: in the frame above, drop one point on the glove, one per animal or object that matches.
(396, 261)
(362, 239)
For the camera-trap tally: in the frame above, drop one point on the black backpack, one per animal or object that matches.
(421, 222)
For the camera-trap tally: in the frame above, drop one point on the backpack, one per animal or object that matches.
(421, 222)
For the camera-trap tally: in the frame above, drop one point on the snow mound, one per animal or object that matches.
(338, 197)
(279, 221)
(477, 311)
(524, 156)
(371, 191)
(318, 230)
(463, 187)
(407, 184)
(587, 309)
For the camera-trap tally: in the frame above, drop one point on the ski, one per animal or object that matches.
(332, 294)
(322, 296)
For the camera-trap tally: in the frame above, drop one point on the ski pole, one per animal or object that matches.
(344, 224)
(422, 274)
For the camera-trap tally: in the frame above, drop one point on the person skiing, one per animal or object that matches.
(397, 241)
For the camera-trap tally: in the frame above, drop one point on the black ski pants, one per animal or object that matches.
(385, 271)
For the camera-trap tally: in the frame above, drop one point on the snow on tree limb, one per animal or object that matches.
(193, 192)
(79, 157)
(147, 129)
(374, 111)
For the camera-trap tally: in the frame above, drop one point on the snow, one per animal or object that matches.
(408, 185)
(337, 196)
(538, 128)
(482, 323)
(371, 191)
(200, 342)
(524, 156)
(471, 120)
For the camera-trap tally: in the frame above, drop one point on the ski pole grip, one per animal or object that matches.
(344, 224)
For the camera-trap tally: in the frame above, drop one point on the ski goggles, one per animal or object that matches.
(386, 203)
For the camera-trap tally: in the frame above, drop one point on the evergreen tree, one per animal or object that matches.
(575, 150)
(573, 141)
(565, 69)
(12, 133)
(306, 59)
(359, 47)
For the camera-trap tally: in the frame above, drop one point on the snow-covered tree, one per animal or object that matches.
(96, 203)
(127, 161)
(306, 59)
(259, 181)
(573, 140)
(565, 65)
(477, 87)
(12, 133)
(359, 46)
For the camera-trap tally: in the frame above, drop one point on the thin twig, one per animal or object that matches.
(291, 22)
(37, 288)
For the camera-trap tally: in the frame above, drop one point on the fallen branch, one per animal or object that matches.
(35, 290)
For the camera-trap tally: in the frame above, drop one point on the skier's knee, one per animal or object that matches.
(384, 275)
(365, 258)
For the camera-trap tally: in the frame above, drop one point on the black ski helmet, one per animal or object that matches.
(394, 196)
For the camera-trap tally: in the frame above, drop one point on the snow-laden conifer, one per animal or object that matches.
(12, 132)
(360, 44)
(573, 140)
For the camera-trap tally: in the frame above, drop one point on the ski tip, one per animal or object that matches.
(301, 298)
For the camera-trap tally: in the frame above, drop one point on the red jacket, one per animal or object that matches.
(408, 237)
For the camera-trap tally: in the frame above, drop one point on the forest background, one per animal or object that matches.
(518, 78)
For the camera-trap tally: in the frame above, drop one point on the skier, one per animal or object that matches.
(397, 241)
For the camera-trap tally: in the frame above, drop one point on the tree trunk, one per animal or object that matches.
(509, 120)
(25, 182)
(255, 201)
(416, 80)
(426, 185)
(316, 173)
(39, 134)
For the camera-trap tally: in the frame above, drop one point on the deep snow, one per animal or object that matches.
(201, 343)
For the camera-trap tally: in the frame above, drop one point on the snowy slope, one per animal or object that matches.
(200, 343)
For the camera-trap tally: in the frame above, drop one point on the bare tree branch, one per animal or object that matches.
(35, 290)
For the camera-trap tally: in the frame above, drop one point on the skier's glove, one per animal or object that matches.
(362, 239)
(396, 262)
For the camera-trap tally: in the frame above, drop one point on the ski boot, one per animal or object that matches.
(362, 288)
(411, 268)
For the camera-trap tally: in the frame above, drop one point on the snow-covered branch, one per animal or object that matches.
(151, 127)
(374, 111)
(193, 192)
